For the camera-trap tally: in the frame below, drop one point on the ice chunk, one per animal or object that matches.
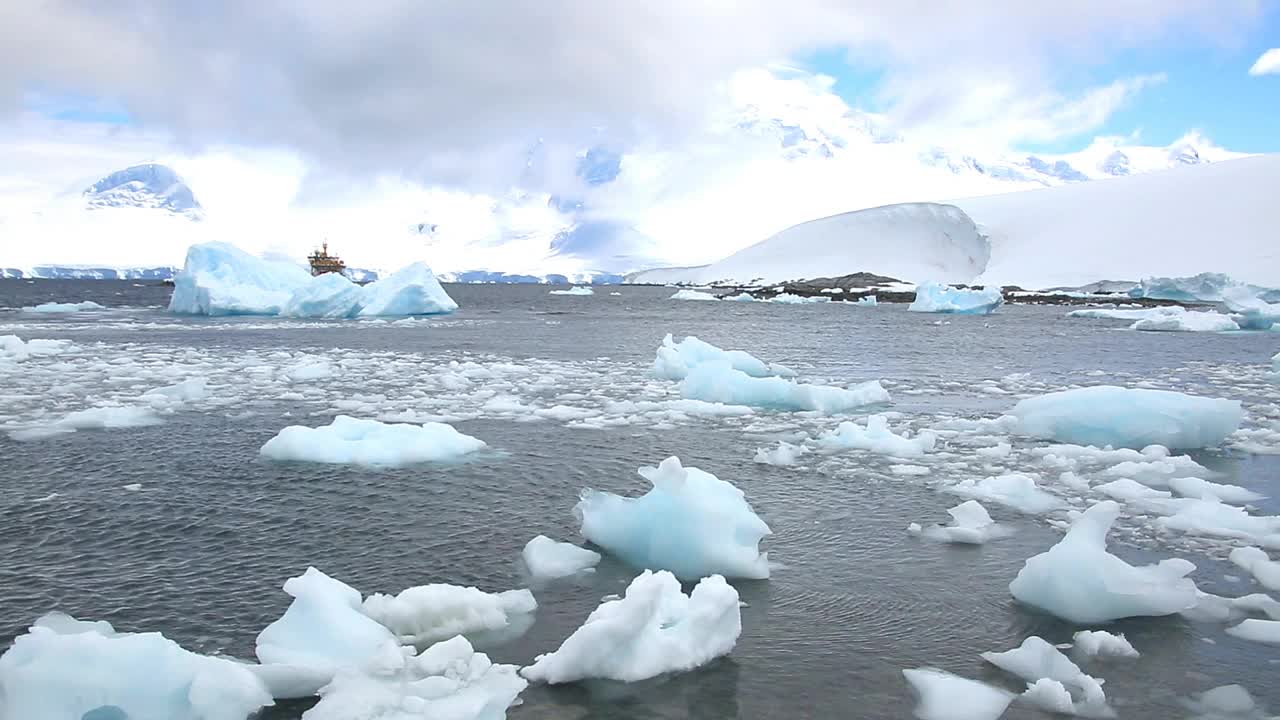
(693, 295)
(1226, 702)
(741, 297)
(1079, 581)
(878, 438)
(1214, 518)
(170, 396)
(783, 455)
(98, 418)
(411, 290)
(1205, 287)
(547, 559)
(1036, 659)
(1152, 313)
(970, 525)
(675, 359)
(13, 348)
(691, 523)
(65, 668)
(1251, 312)
(1265, 570)
(357, 441)
(220, 279)
(1263, 631)
(654, 629)
(1101, 642)
(1050, 696)
(944, 696)
(1194, 487)
(56, 307)
(325, 296)
(1215, 608)
(310, 370)
(1131, 491)
(1187, 322)
(1130, 418)
(577, 290)
(447, 681)
(427, 614)
(1014, 490)
(936, 298)
(714, 382)
(790, 299)
(867, 301)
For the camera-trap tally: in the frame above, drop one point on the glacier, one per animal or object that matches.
(546, 559)
(66, 668)
(652, 630)
(1107, 415)
(936, 298)
(1079, 581)
(359, 441)
(690, 523)
(721, 383)
(674, 359)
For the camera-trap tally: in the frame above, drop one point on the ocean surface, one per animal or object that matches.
(200, 550)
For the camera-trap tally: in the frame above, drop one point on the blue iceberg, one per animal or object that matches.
(937, 298)
(722, 383)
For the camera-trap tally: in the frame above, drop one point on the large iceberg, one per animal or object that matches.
(65, 668)
(1205, 287)
(1079, 581)
(1129, 418)
(717, 382)
(675, 359)
(936, 298)
(691, 523)
(221, 279)
(427, 614)
(944, 696)
(359, 441)
(654, 629)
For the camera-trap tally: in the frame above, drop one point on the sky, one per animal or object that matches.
(417, 106)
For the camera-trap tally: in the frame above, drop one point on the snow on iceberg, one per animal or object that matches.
(426, 614)
(652, 630)
(693, 295)
(1079, 581)
(691, 523)
(936, 298)
(970, 525)
(56, 307)
(675, 359)
(1265, 570)
(1129, 418)
(576, 290)
(1102, 643)
(715, 382)
(447, 681)
(878, 438)
(358, 441)
(944, 696)
(1187, 322)
(1014, 490)
(547, 559)
(65, 668)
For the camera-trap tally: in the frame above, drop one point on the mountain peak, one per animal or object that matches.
(148, 185)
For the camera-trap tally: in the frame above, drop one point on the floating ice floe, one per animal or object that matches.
(220, 279)
(1217, 519)
(1194, 487)
(1015, 490)
(791, 299)
(65, 668)
(714, 382)
(426, 614)
(1079, 581)
(675, 359)
(936, 298)
(576, 290)
(1128, 418)
(1102, 643)
(99, 418)
(783, 455)
(1265, 570)
(693, 295)
(1068, 690)
(57, 307)
(653, 630)
(547, 559)
(171, 396)
(1226, 702)
(12, 348)
(1218, 609)
(970, 525)
(1187, 322)
(943, 696)
(691, 523)
(1262, 631)
(740, 297)
(878, 438)
(358, 441)
(447, 681)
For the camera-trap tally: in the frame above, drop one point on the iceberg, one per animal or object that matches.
(56, 307)
(675, 359)
(970, 525)
(866, 301)
(716, 382)
(547, 559)
(652, 630)
(1187, 322)
(1129, 418)
(65, 668)
(693, 295)
(1251, 312)
(1265, 570)
(98, 418)
(1014, 490)
(1205, 287)
(878, 438)
(936, 298)
(786, 298)
(326, 296)
(1037, 660)
(411, 290)
(577, 290)
(691, 523)
(944, 696)
(1100, 642)
(356, 441)
(1079, 581)
(741, 297)
(426, 614)
(447, 681)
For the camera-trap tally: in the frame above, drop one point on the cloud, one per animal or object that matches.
(1268, 63)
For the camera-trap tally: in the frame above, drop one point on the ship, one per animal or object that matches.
(322, 262)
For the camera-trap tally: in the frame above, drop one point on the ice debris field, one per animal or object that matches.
(1103, 461)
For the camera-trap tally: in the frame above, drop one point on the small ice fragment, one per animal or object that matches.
(547, 559)
(944, 696)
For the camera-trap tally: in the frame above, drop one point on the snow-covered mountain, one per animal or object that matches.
(1218, 217)
(148, 186)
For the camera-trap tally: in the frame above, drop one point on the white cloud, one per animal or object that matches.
(1268, 63)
